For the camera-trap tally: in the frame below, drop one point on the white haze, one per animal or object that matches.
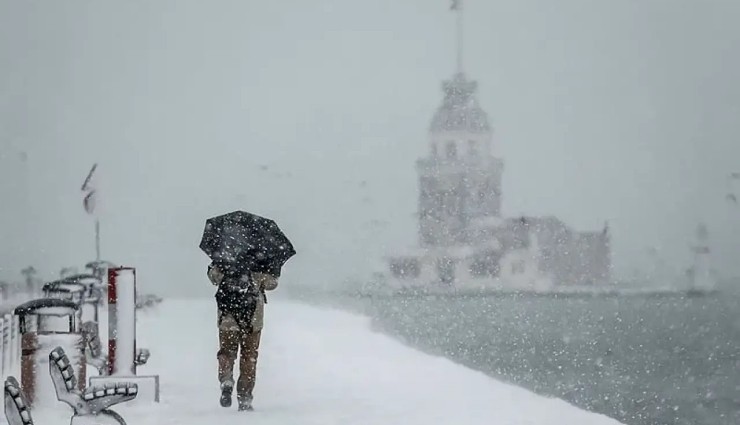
(622, 111)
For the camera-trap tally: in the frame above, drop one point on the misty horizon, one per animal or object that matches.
(314, 115)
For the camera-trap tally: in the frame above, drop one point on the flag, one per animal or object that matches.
(89, 202)
(89, 182)
(91, 191)
(456, 5)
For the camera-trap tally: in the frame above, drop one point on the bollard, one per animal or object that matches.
(123, 356)
(122, 320)
(45, 324)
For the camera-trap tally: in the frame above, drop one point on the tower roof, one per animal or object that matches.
(460, 110)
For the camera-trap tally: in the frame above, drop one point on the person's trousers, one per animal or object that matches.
(238, 343)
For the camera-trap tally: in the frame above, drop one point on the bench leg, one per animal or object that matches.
(106, 417)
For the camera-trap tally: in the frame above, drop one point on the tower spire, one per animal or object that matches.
(457, 7)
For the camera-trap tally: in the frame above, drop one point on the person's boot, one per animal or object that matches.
(245, 402)
(227, 388)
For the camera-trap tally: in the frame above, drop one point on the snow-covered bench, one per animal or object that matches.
(94, 354)
(95, 400)
(16, 405)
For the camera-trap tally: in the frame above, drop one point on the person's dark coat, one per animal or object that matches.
(241, 293)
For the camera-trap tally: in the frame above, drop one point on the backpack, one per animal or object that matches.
(238, 296)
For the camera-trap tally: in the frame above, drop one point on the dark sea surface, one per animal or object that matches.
(641, 360)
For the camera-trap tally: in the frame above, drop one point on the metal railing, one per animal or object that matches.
(10, 364)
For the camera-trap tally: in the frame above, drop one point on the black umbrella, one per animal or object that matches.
(240, 241)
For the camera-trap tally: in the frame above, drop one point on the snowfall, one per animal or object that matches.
(319, 366)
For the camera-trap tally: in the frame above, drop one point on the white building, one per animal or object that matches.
(464, 242)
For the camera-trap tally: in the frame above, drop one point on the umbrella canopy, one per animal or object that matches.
(240, 241)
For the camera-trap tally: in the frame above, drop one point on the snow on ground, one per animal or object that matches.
(323, 367)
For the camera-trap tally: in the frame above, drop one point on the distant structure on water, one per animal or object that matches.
(701, 278)
(464, 242)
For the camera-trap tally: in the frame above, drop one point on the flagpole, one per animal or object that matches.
(89, 204)
(97, 240)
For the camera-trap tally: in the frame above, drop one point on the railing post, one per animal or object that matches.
(6, 345)
(4, 359)
(16, 345)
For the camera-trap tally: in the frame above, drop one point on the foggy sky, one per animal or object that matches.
(623, 111)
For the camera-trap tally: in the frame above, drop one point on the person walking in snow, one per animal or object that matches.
(240, 299)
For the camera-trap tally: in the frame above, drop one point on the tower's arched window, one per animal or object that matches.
(451, 150)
